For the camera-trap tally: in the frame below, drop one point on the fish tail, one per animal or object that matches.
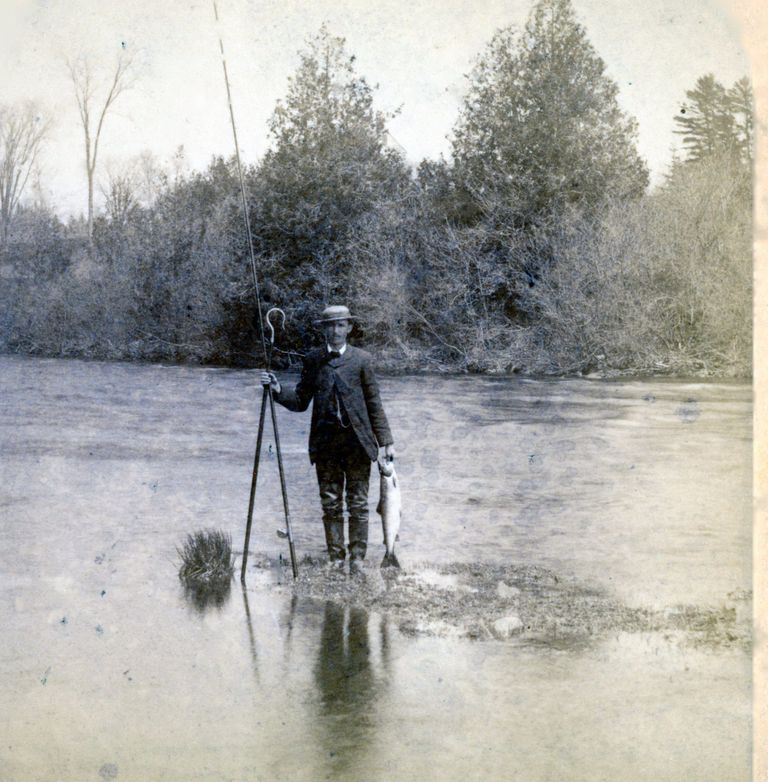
(390, 560)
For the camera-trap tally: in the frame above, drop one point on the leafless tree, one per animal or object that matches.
(23, 128)
(131, 183)
(93, 104)
(151, 177)
(120, 193)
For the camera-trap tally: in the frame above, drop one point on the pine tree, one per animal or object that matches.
(705, 122)
(740, 104)
(541, 127)
(330, 162)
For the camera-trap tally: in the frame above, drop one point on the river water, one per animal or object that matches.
(639, 490)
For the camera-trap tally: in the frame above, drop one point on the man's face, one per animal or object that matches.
(336, 332)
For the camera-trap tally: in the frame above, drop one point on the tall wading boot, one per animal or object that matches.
(334, 539)
(333, 514)
(357, 505)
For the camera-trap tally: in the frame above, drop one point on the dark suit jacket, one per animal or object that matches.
(353, 376)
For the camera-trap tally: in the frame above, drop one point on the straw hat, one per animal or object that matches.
(334, 312)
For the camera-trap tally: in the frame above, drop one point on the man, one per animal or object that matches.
(348, 429)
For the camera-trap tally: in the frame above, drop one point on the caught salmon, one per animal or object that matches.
(389, 509)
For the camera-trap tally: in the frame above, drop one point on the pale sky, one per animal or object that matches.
(417, 51)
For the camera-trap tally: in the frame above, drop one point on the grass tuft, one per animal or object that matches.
(206, 559)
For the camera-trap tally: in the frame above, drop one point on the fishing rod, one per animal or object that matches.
(267, 389)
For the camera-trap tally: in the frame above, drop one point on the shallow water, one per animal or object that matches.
(641, 489)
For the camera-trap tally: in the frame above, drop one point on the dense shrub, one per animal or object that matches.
(662, 286)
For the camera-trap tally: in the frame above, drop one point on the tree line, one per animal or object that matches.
(535, 247)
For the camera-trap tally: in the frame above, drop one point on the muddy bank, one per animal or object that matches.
(525, 604)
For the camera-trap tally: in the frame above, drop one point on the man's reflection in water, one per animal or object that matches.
(346, 685)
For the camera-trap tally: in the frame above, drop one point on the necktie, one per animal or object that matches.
(338, 412)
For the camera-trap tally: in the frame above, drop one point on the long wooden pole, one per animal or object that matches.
(254, 478)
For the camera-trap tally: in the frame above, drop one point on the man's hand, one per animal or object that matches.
(389, 453)
(269, 379)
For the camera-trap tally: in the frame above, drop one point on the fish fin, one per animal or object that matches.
(390, 560)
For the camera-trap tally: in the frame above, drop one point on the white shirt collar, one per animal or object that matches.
(341, 350)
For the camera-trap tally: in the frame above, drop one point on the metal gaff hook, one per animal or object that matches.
(271, 327)
(272, 332)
